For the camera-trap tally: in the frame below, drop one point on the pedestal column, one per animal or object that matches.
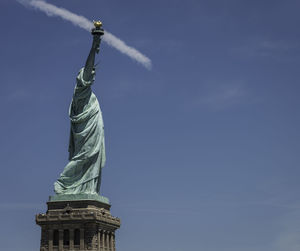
(102, 240)
(50, 241)
(81, 239)
(111, 242)
(60, 239)
(107, 241)
(98, 238)
(71, 231)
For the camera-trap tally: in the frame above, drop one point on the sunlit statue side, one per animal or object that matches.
(82, 175)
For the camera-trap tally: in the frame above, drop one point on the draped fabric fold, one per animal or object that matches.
(82, 175)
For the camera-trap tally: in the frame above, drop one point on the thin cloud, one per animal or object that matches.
(19, 94)
(288, 238)
(265, 48)
(223, 96)
(84, 23)
(20, 206)
(225, 203)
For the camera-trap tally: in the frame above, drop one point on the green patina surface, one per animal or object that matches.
(81, 177)
(68, 197)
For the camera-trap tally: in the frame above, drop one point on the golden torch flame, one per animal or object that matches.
(97, 24)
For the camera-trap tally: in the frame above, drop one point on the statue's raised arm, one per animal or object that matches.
(97, 32)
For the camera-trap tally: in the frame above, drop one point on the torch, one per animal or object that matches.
(97, 31)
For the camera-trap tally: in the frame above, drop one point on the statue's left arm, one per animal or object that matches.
(89, 65)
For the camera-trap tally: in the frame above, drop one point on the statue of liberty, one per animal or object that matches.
(82, 174)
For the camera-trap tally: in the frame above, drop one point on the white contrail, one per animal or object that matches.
(84, 23)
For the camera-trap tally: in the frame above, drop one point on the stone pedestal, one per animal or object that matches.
(77, 225)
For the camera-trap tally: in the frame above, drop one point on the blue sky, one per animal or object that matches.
(202, 150)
